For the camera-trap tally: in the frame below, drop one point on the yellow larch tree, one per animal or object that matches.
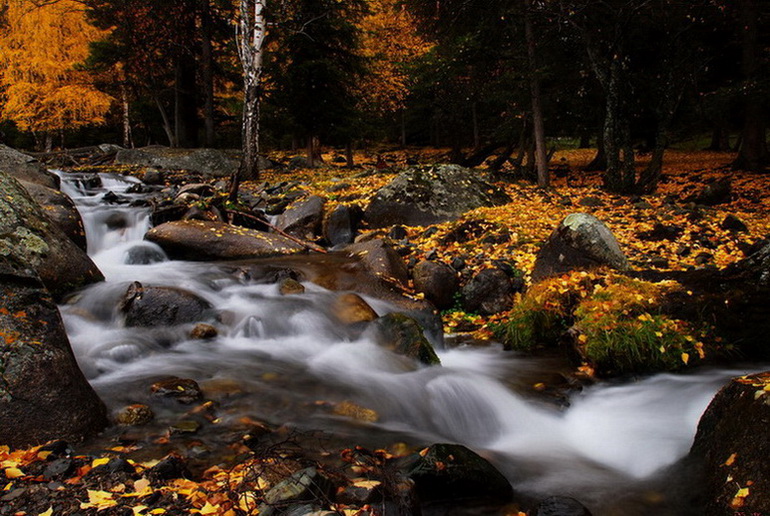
(390, 41)
(40, 47)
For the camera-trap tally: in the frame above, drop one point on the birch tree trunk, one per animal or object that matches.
(251, 29)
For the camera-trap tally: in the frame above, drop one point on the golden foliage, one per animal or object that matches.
(40, 48)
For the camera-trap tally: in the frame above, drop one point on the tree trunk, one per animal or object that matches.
(403, 128)
(128, 141)
(475, 115)
(172, 142)
(541, 158)
(250, 132)
(185, 105)
(349, 162)
(753, 154)
(600, 160)
(720, 139)
(207, 72)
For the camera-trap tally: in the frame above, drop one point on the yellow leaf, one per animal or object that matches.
(659, 334)
(49, 512)
(99, 500)
(158, 511)
(13, 473)
(100, 461)
(141, 488)
(138, 509)
(209, 509)
(731, 459)
(685, 357)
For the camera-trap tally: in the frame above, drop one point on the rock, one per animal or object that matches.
(361, 492)
(661, 232)
(170, 468)
(299, 162)
(306, 485)
(145, 253)
(209, 162)
(303, 218)
(561, 506)
(733, 223)
(152, 176)
(489, 292)
(451, 473)
(27, 234)
(62, 211)
(589, 201)
(381, 260)
(581, 241)
(290, 286)
(26, 168)
(148, 306)
(349, 308)
(203, 240)
(437, 281)
(203, 331)
(341, 225)
(732, 448)
(58, 468)
(186, 426)
(183, 390)
(718, 192)
(403, 335)
(357, 412)
(43, 394)
(421, 196)
(135, 415)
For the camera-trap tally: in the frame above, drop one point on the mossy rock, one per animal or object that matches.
(403, 335)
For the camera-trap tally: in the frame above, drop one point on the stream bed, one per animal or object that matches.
(286, 361)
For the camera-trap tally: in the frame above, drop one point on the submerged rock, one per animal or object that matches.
(202, 240)
(403, 335)
(147, 306)
(135, 415)
(183, 390)
(349, 308)
(581, 241)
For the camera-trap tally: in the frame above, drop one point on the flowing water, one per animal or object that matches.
(284, 359)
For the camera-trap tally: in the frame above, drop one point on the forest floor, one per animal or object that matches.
(50, 481)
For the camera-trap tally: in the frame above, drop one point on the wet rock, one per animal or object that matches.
(581, 241)
(718, 192)
(361, 493)
(341, 225)
(137, 414)
(733, 223)
(62, 211)
(186, 426)
(561, 506)
(169, 468)
(30, 236)
(357, 412)
(183, 390)
(26, 168)
(489, 292)
(451, 473)
(59, 468)
(398, 233)
(349, 308)
(43, 394)
(209, 162)
(303, 218)
(421, 196)
(201, 240)
(403, 335)
(437, 281)
(152, 176)
(306, 485)
(148, 306)
(732, 449)
(145, 254)
(203, 331)
(290, 286)
(381, 260)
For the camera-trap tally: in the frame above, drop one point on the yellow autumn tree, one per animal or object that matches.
(390, 41)
(40, 48)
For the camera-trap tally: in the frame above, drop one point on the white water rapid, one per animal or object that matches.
(609, 447)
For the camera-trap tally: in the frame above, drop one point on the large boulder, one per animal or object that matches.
(148, 306)
(489, 292)
(422, 196)
(25, 168)
(581, 241)
(204, 240)
(303, 218)
(452, 474)
(62, 211)
(43, 394)
(381, 260)
(209, 162)
(438, 281)
(29, 235)
(732, 448)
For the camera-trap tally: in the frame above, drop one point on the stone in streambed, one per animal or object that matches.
(183, 390)
(205, 240)
(561, 506)
(349, 308)
(404, 336)
(290, 286)
(203, 331)
(147, 306)
(137, 414)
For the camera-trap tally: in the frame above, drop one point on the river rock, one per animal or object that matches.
(26, 168)
(62, 211)
(203, 331)
(381, 260)
(581, 241)
(489, 292)
(421, 196)
(29, 235)
(209, 162)
(561, 506)
(43, 394)
(135, 415)
(341, 225)
(403, 335)
(183, 390)
(349, 308)
(306, 485)
(303, 218)
(290, 286)
(732, 448)
(205, 240)
(451, 473)
(147, 306)
(437, 281)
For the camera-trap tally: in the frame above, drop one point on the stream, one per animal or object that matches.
(284, 360)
